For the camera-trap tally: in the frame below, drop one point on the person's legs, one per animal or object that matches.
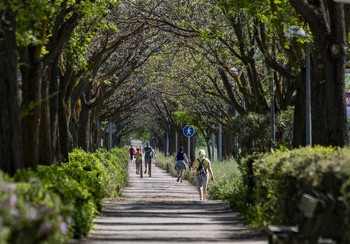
(204, 193)
(181, 174)
(199, 188)
(178, 175)
(199, 181)
(138, 168)
(146, 164)
(205, 183)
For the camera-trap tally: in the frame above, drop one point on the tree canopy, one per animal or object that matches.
(69, 67)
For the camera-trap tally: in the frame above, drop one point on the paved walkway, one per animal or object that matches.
(158, 209)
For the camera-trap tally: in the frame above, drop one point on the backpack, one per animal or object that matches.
(201, 169)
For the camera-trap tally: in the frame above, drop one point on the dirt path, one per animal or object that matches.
(158, 209)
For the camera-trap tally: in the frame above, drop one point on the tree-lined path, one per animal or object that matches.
(157, 209)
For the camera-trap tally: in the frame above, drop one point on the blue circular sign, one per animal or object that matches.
(188, 131)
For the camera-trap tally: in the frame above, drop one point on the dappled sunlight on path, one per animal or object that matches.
(158, 209)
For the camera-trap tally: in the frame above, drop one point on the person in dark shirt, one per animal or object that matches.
(149, 153)
(180, 160)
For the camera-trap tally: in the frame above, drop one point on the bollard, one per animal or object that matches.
(150, 168)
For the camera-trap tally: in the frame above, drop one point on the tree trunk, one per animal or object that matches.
(63, 130)
(172, 141)
(118, 141)
(94, 133)
(31, 70)
(193, 148)
(327, 24)
(329, 116)
(228, 143)
(10, 127)
(208, 148)
(45, 150)
(84, 127)
(332, 127)
(53, 89)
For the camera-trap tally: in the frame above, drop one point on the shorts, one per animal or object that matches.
(138, 161)
(148, 160)
(180, 164)
(202, 180)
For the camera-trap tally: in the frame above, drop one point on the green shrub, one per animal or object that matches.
(77, 200)
(256, 137)
(101, 172)
(29, 213)
(92, 174)
(267, 188)
(68, 195)
(227, 179)
(228, 182)
(281, 179)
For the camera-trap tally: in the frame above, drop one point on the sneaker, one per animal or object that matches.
(181, 181)
(145, 171)
(177, 179)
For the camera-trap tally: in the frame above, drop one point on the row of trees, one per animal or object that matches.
(227, 53)
(65, 68)
(69, 66)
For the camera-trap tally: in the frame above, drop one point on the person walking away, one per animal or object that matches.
(200, 169)
(180, 164)
(149, 152)
(138, 161)
(132, 152)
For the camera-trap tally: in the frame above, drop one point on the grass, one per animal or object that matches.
(227, 176)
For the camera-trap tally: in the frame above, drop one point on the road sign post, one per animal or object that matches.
(213, 145)
(220, 142)
(111, 128)
(188, 131)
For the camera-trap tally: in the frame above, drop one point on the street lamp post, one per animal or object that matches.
(273, 132)
(259, 56)
(213, 145)
(308, 98)
(297, 31)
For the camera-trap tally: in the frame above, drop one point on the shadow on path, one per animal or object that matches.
(158, 209)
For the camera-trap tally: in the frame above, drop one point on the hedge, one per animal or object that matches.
(267, 188)
(276, 182)
(59, 202)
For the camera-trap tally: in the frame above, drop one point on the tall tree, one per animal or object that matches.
(10, 127)
(329, 24)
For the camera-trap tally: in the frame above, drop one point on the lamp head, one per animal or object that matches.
(296, 31)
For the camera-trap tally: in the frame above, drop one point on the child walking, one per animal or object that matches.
(138, 161)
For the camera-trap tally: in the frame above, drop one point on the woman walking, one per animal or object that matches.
(200, 169)
(180, 165)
